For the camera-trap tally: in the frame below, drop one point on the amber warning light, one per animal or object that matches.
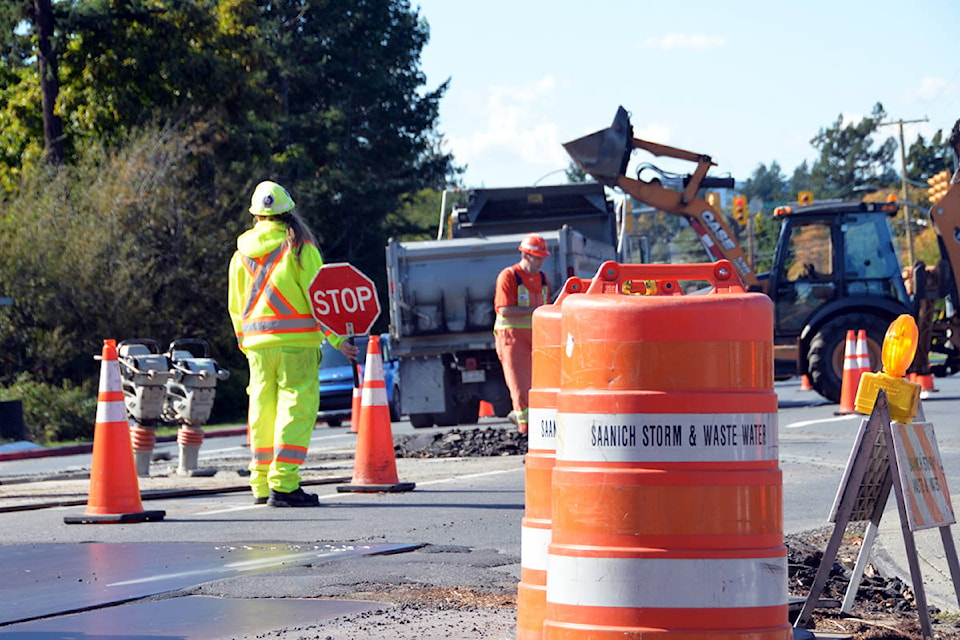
(899, 347)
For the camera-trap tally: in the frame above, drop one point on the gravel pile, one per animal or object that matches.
(461, 443)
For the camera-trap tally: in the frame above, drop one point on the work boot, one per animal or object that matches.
(260, 500)
(298, 498)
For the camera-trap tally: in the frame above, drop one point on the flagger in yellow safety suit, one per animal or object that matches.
(269, 303)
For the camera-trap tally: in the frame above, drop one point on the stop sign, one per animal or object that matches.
(344, 299)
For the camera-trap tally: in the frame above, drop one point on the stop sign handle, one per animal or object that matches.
(355, 367)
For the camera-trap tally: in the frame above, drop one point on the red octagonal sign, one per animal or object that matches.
(344, 299)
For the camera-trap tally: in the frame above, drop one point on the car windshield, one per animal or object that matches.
(334, 358)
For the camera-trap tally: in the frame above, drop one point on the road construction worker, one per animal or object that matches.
(270, 274)
(521, 288)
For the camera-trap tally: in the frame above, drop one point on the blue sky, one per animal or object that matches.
(746, 82)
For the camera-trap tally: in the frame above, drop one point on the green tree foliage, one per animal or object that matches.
(800, 181)
(766, 188)
(173, 111)
(925, 160)
(114, 246)
(848, 160)
(355, 136)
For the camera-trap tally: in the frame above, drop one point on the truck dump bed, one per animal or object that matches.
(442, 290)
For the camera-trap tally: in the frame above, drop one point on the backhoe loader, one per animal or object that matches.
(834, 269)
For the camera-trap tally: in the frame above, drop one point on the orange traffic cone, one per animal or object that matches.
(374, 463)
(114, 491)
(486, 409)
(851, 376)
(863, 354)
(357, 397)
(925, 380)
(805, 383)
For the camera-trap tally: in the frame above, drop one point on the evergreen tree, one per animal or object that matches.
(848, 160)
(766, 188)
(925, 160)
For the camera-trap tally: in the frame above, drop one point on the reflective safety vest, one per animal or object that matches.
(523, 300)
(268, 297)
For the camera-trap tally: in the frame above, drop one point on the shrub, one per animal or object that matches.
(52, 413)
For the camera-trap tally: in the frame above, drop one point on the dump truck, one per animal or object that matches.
(441, 291)
(835, 267)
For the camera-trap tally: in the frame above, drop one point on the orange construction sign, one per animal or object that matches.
(922, 478)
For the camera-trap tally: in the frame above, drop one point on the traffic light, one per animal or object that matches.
(805, 198)
(939, 184)
(740, 210)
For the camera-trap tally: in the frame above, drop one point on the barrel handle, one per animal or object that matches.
(612, 276)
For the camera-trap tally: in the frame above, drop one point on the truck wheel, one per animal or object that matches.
(825, 356)
(421, 420)
(469, 411)
(334, 422)
(447, 418)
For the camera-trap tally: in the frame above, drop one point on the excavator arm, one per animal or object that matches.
(939, 334)
(605, 154)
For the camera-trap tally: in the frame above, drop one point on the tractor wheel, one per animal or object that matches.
(825, 356)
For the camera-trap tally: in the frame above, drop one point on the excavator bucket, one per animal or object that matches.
(604, 154)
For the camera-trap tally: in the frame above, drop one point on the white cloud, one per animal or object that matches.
(516, 127)
(684, 42)
(931, 89)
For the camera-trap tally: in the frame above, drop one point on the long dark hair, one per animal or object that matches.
(298, 233)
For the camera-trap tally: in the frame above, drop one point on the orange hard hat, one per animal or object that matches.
(535, 246)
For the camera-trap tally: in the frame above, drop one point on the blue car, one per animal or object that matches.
(336, 381)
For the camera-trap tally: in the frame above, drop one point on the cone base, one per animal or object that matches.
(376, 488)
(106, 518)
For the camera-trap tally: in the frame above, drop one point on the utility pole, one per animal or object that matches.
(903, 184)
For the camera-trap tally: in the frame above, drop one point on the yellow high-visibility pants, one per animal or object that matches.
(284, 398)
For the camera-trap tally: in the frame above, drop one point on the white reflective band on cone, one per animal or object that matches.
(667, 437)
(374, 396)
(667, 583)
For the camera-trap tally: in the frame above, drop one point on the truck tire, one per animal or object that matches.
(826, 352)
(447, 418)
(469, 412)
(421, 420)
(334, 422)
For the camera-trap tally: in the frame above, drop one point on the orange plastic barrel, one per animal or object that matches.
(666, 492)
(538, 464)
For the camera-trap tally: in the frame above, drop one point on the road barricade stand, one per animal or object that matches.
(538, 463)
(666, 492)
(891, 451)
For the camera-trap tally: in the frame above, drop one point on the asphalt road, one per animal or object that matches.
(457, 531)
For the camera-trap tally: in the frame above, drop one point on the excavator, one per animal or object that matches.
(835, 267)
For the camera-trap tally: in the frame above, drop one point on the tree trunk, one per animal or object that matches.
(49, 83)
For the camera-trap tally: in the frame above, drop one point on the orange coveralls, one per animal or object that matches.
(514, 336)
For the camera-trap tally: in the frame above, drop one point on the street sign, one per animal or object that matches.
(344, 299)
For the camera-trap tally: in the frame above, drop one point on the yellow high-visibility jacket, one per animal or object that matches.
(268, 298)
